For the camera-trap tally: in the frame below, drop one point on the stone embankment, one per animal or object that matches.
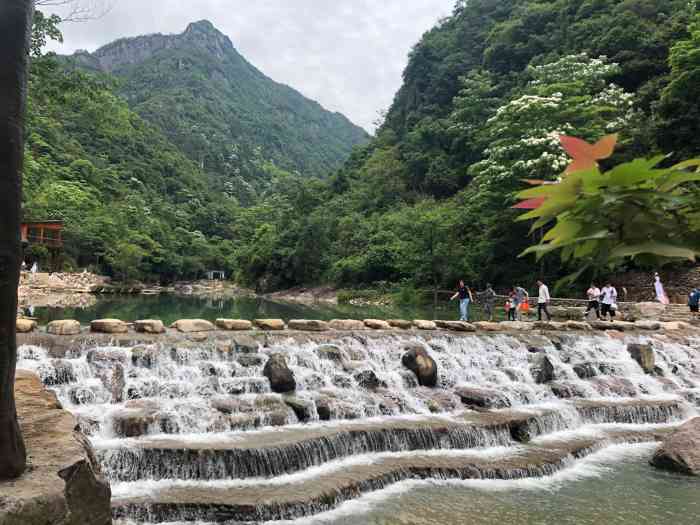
(199, 328)
(63, 484)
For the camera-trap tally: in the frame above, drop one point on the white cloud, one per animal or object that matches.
(346, 54)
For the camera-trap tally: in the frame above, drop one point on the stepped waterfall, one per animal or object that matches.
(195, 431)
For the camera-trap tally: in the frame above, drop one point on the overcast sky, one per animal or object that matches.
(346, 54)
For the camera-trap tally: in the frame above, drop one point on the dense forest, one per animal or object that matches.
(485, 96)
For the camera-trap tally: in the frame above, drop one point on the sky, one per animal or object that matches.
(346, 54)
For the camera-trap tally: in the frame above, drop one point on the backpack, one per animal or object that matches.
(694, 299)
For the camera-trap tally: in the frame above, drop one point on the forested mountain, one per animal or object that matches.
(139, 196)
(175, 166)
(221, 111)
(485, 95)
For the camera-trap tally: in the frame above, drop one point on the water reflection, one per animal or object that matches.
(169, 308)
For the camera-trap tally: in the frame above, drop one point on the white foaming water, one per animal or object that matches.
(152, 487)
(180, 384)
(595, 465)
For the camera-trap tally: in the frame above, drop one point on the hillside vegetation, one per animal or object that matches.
(150, 158)
(181, 174)
(485, 95)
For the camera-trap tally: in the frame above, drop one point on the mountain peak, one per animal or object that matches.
(201, 26)
(204, 34)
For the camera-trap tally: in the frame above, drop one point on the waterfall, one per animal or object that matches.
(204, 413)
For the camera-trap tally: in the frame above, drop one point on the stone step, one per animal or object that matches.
(291, 449)
(328, 489)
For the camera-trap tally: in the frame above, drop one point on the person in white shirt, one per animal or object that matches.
(608, 301)
(593, 294)
(542, 301)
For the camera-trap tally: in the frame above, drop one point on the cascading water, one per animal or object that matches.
(204, 414)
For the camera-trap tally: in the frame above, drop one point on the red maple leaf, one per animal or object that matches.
(586, 156)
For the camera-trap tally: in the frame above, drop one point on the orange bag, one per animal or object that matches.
(525, 307)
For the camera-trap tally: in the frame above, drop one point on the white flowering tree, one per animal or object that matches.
(571, 96)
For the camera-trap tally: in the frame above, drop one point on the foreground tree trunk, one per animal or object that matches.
(15, 31)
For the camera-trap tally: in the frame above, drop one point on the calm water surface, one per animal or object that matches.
(170, 307)
(615, 487)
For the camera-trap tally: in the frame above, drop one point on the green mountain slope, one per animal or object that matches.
(221, 111)
(485, 94)
(132, 203)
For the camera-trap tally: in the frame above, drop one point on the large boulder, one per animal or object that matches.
(308, 325)
(24, 326)
(280, 376)
(234, 324)
(377, 324)
(488, 326)
(269, 324)
(422, 324)
(244, 344)
(644, 355)
(149, 326)
(332, 353)
(347, 324)
(368, 379)
(403, 324)
(646, 311)
(64, 485)
(304, 409)
(456, 326)
(482, 398)
(63, 327)
(418, 361)
(542, 369)
(680, 452)
(109, 326)
(516, 326)
(192, 325)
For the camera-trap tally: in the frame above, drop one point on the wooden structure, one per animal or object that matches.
(46, 233)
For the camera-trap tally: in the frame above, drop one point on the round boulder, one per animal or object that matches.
(64, 327)
(234, 324)
(109, 326)
(192, 325)
(269, 324)
(680, 452)
(25, 326)
(418, 361)
(377, 324)
(149, 326)
(308, 325)
(280, 376)
(422, 324)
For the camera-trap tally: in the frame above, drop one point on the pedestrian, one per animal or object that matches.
(24, 266)
(608, 301)
(593, 294)
(694, 303)
(488, 299)
(543, 299)
(509, 307)
(35, 267)
(521, 300)
(465, 297)
(659, 289)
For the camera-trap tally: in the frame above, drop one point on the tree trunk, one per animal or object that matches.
(15, 31)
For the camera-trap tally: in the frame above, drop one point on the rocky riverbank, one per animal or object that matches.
(63, 484)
